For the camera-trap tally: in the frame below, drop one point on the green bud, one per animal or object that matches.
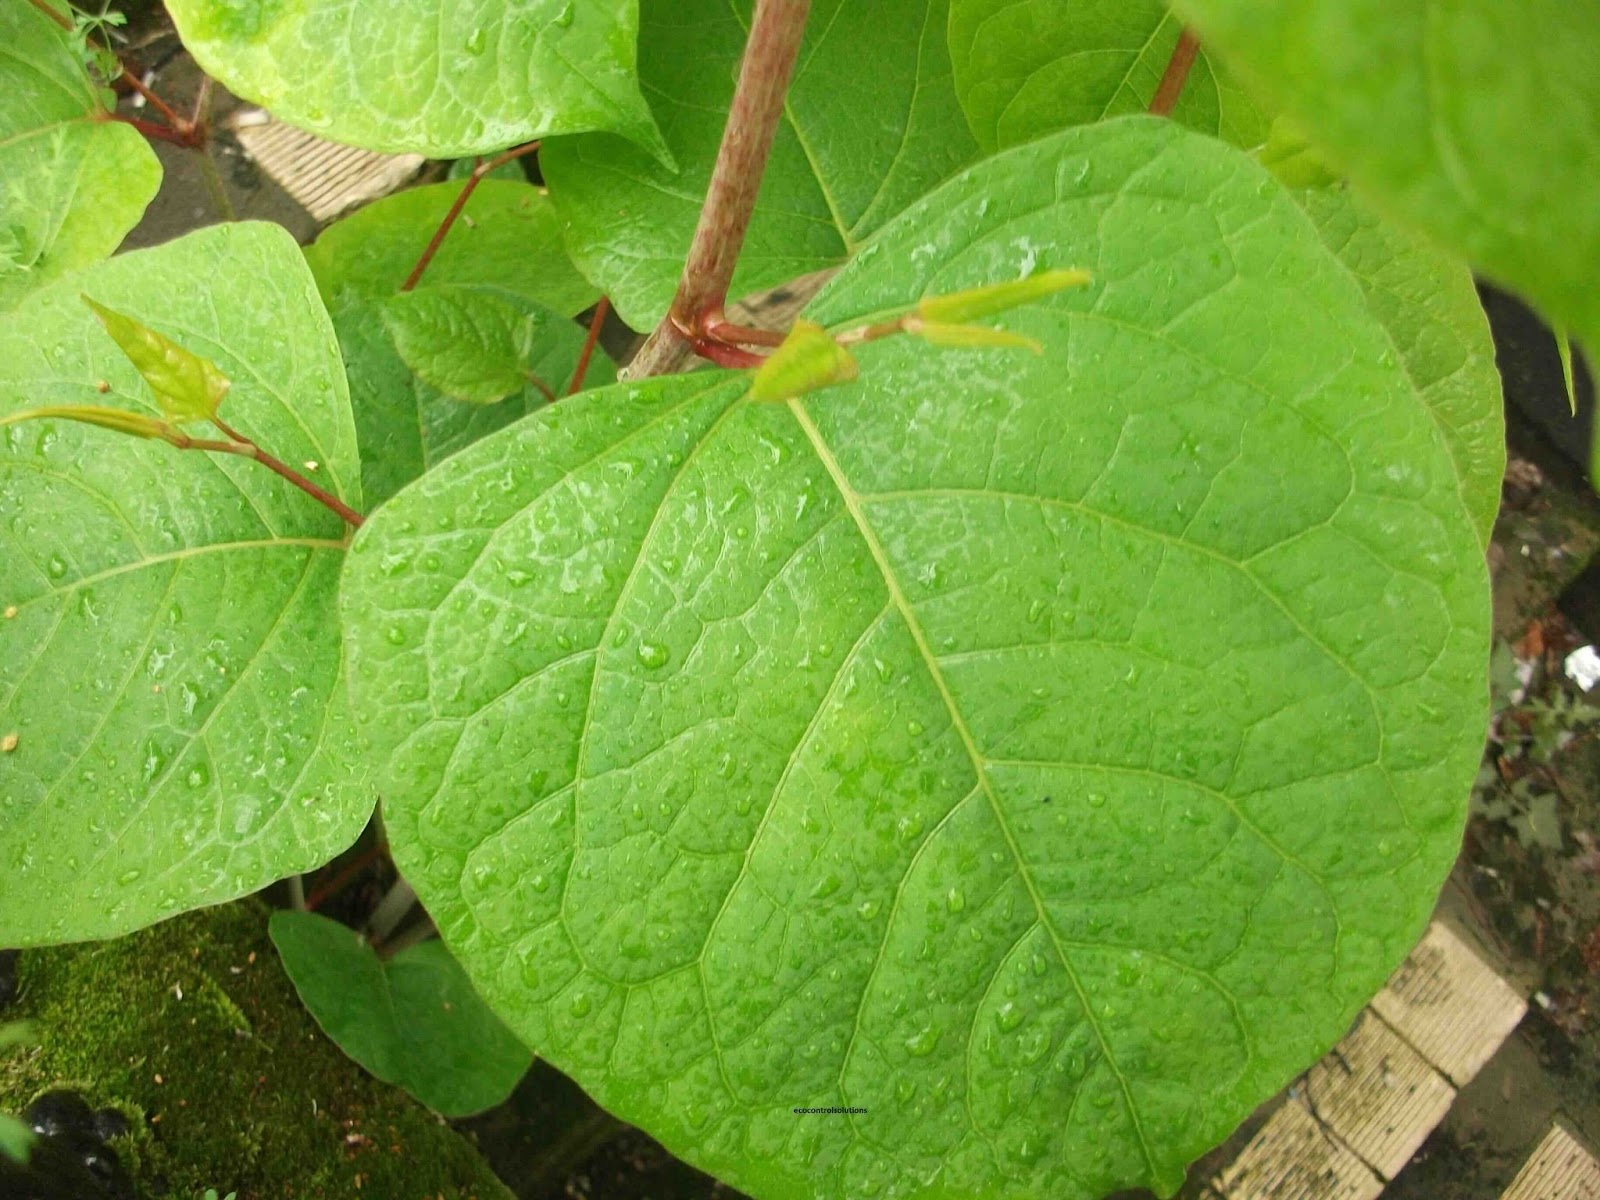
(188, 387)
(971, 336)
(1289, 155)
(808, 360)
(976, 303)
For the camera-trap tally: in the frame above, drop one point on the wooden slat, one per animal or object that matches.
(1560, 1169)
(1450, 1005)
(325, 178)
(1295, 1157)
(1378, 1095)
(1355, 1119)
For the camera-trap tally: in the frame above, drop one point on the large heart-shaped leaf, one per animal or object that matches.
(72, 182)
(438, 77)
(507, 242)
(871, 123)
(1024, 69)
(168, 666)
(412, 1020)
(1477, 121)
(1041, 758)
(1426, 301)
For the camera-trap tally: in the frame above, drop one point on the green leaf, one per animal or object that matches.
(1473, 121)
(871, 123)
(1034, 66)
(71, 183)
(469, 343)
(166, 661)
(461, 168)
(808, 360)
(990, 300)
(413, 1021)
(1290, 156)
(1047, 755)
(187, 386)
(16, 1139)
(507, 240)
(1564, 353)
(1426, 301)
(507, 237)
(443, 78)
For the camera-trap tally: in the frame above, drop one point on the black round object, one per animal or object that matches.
(61, 1169)
(61, 1114)
(8, 976)
(105, 1168)
(109, 1123)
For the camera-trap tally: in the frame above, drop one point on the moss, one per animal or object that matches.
(193, 1030)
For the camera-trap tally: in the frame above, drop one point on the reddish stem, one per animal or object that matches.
(184, 129)
(545, 390)
(776, 30)
(348, 872)
(182, 125)
(243, 446)
(871, 333)
(158, 133)
(595, 322)
(1176, 74)
(724, 330)
(47, 10)
(724, 354)
(460, 202)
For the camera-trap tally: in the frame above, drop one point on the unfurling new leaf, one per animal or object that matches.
(187, 386)
(974, 304)
(808, 361)
(970, 337)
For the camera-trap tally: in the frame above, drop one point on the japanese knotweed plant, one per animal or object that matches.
(1025, 710)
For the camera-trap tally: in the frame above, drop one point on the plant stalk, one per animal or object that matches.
(776, 30)
(391, 910)
(478, 172)
(241, 445)
(420, 931)
(183, 132)
(595, 322)
(1176, 74)
(214, 185)
(329, 888)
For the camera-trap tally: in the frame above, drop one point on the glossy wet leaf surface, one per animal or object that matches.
(871, 124)
(166, 663)
(470, 344)
(412, 1020)
(71, 183)
(507, 242)
(187, 386)
(442, 78)
(1476, 121)
(1045, 755)
(1027, 68)
(1426, 301)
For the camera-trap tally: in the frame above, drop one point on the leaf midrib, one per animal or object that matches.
(187, 552)
(897, 596)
